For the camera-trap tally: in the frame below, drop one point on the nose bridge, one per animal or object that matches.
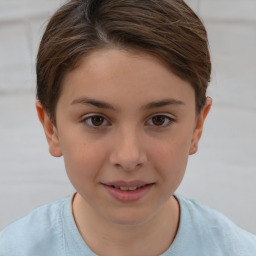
(128, 148)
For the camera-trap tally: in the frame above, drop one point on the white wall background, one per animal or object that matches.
(222, 174)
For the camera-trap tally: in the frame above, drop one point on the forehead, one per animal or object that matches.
(112, 74)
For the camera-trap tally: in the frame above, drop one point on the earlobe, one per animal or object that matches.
(199, 126)
(50, 131)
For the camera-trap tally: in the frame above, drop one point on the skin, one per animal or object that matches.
(134, 140)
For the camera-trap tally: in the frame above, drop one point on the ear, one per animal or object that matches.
(199, 126)
(50, 131)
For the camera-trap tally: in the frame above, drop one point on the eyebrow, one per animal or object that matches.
(162, 103)
(96, 103)
(105, 105)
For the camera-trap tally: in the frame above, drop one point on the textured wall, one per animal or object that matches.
(222, 174)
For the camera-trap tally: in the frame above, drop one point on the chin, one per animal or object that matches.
(129, 217)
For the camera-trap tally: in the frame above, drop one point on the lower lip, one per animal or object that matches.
(127, 196)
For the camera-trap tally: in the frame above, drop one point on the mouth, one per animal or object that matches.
(129, 188)
(128, 192)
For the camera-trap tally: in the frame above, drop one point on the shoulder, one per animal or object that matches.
(216, 230)
(39, 229)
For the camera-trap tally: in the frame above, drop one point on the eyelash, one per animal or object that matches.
(89, 118)
(167, 120)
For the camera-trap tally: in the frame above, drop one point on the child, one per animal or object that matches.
(121, 87)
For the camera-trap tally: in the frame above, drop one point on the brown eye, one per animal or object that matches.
(95, 121)
(160, 120)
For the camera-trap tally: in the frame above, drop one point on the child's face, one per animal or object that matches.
(125, 120)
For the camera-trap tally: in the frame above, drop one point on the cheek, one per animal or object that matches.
(170, 159)
(83, 161)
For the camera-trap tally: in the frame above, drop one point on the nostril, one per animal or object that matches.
(128, 154)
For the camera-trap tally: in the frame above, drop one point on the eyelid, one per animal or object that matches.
(167, 116)
(88, 116)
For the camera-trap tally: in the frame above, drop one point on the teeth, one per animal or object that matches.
(128, 188)
(124, 188)
(133, 188)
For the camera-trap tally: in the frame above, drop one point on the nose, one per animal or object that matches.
(128, 151)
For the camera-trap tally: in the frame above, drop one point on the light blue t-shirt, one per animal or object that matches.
(50, 230)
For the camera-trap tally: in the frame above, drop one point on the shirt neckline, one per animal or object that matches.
(73, 236)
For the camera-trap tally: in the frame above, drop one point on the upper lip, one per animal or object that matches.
(134, 183)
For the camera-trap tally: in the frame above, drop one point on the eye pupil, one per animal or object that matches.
(97, 120)
(158, 120)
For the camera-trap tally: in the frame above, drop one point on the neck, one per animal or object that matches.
(108, 238)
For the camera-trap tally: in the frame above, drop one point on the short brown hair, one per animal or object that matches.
(169, 30)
